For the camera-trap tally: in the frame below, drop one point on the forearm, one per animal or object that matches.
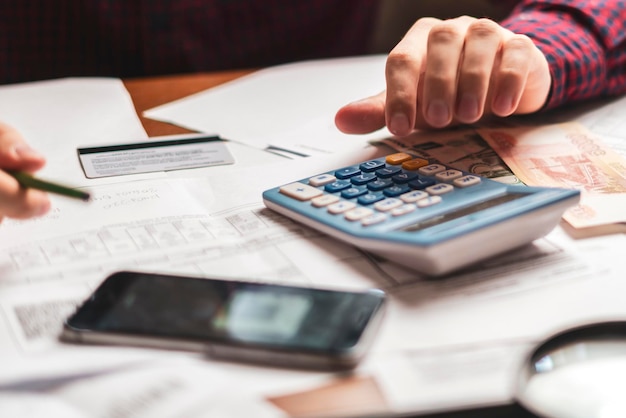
(584, 43)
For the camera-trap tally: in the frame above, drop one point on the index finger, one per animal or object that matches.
(404, 67)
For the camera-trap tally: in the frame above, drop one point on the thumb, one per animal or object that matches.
(363, 116)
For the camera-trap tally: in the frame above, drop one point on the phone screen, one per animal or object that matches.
(227, 311)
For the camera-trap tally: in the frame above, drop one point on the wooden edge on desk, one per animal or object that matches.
(149, 92)
(351, 396)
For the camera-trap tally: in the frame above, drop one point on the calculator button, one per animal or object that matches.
(397, 190)
(324, 200)
(378, 185)
(413, 196)
(441, 188)
(337, 186)
(448, 175)
(341, 207)
(300, 191)
(373, 165)
(370, 198)
(398, 158)
(374, 219)
(404, 178)
(353, 192)
(421, 183)
(388, 172)
(387, 204)
(414, 164)
(322, 180)
(432, 169)
(403, 210)
(358, 213)
(467, 181)
(363, 178)
(429, 201)
(347, 172)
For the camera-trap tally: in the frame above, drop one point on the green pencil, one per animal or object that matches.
(26, 180)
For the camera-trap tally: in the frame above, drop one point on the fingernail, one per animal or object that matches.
(24, 151)
(503, 105)
(438, 114)
(468, 108)
(399, 124)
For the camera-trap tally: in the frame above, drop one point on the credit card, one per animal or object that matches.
(159, 154)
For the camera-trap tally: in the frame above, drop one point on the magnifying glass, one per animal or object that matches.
(579, 373)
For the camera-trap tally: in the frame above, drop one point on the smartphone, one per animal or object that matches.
(272, 324)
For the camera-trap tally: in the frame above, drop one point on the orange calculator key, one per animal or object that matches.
(398, 158)
(414, 164)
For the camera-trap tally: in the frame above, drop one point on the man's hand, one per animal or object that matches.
(16, 201)
(453, 71)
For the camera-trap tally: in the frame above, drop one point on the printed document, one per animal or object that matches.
(445, 343)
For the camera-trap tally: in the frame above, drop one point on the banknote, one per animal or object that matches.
(463, 149)
(567, 155)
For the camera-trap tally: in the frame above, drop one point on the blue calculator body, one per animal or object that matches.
(426, 216)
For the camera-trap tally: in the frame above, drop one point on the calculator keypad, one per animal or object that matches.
(374, 190)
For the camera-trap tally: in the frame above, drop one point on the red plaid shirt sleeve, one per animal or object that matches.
(584, 42)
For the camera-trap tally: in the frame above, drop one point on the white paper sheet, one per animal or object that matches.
(58, 116)
(216, 226)
(289, 106)
(212, 223)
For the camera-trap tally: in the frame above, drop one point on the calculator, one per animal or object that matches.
(421, 214)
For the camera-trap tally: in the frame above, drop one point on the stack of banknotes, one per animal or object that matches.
(566, 155)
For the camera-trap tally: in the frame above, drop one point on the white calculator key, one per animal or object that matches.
(387, 204)
(322, 180)
(448, 175)
(414, 196)
(429, 201)
(403, 210)
(358, 213)
(341, 207)
(324, 200)
(432, 169)
(467, 181)
(374, 219)
(300, 191)
(441, 188)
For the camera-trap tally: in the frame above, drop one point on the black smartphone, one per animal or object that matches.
(276, 325)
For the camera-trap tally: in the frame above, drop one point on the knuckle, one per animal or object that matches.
(519, 43)
(399, 58)
(511, 72)
(399, 98)
(443, 33)
(483, 28)
(427, 22)
(439, 79)
(463, 20)
(400, 62)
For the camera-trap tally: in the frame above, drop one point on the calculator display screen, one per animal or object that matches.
(467, 210)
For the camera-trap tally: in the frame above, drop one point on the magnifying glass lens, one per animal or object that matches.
(578, 374)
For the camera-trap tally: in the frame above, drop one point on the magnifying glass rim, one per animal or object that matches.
(585, 333)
